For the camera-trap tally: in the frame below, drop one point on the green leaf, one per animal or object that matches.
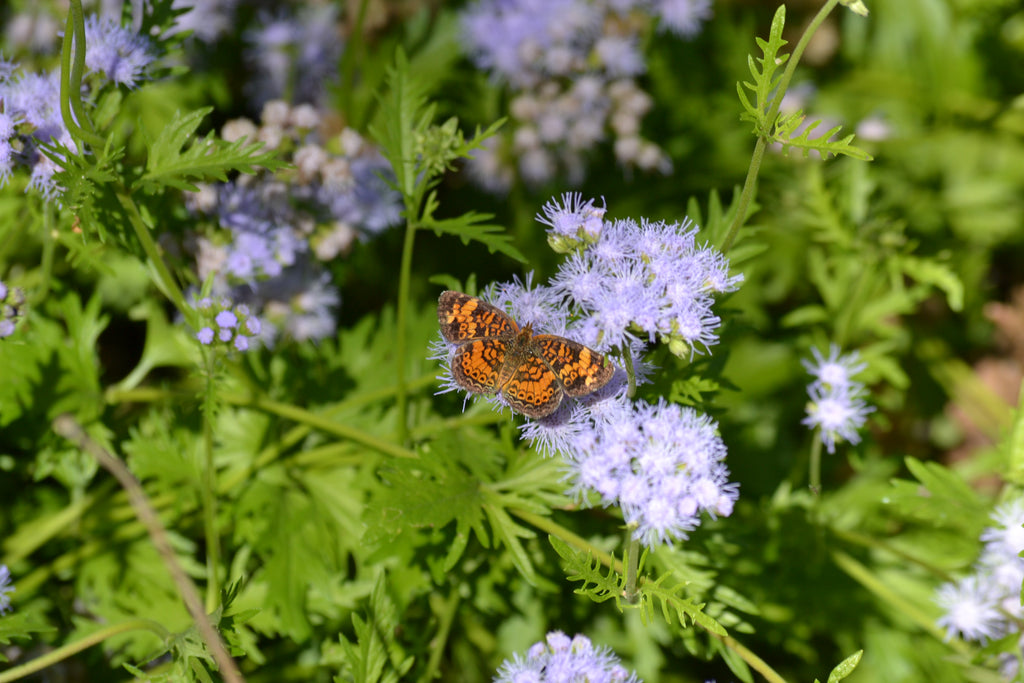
(845, 667)
(785, 133)
(472, 226)
(766, 78)
(175, 162)
(376, 655)
(931, 272)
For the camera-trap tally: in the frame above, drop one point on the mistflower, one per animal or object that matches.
(836, 408)
(295, 56)
(663, 464)
(570, 66)
(986, 605)
(637, 281)
(559, 659)
(226, 324)
(275, 229)
(6, 588)
(117, 53)
(12, 299)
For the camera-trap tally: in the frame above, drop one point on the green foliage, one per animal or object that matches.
(342, 520)
(176, 160)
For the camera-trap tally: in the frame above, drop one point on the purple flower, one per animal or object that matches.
(836, 371)
(6, 588)
(836, 407)
(226, 324)
(661, 463)
(295, 56)
(558, 659)
(972, 610)
(682, 17)
(637, 281)
(117, 53)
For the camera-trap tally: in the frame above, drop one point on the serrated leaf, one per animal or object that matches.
(785, 134)
(173, 161)
(471, 226)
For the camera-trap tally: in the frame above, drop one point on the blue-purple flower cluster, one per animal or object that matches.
(276, 230)
(294, 57)
(986, 605)
(560, 659)
(623, 285)
(636, 282)
(12, 299)
(30, 102)
(571, 66)
(836, 408)
(226, 325)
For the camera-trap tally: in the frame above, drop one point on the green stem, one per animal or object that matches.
(66, 651)
(444, 628)
(895, 600)
(71, 78)
(629, 592)
(747, 194)
(404, 276)
(752, 660)
(331, 427)
(555, 529)
(814, 473)
(164, 280)
(210, 490)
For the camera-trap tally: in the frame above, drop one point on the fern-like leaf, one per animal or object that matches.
(766, 74)
(172, 161)
(786, 134)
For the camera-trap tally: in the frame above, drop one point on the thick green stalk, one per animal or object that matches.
(71, 78)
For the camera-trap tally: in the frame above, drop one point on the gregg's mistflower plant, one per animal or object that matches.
(986, 605)
(836, 408)
(6, 588)
(30, 102)
(226, 325)
(273, 231)
(571, 66)
(559, 659)
(624, 285)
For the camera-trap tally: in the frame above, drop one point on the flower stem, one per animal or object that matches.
(71, 78)
(750, 183)
(66, 426)
(630, 593)
(70, 649)
(400, 329)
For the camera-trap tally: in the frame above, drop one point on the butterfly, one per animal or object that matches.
(531, 372)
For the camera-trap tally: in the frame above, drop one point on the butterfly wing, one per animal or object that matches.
(477, 365)
(533, 389)
(579, 369)
(463, 317)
